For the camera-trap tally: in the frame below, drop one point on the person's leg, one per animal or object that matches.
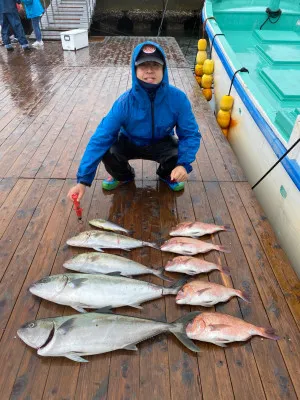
(116, 159)
(36, 27)
(166, 154)
(16, 24)
(5, 32)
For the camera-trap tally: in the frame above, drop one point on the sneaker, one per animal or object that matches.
(37, 44)
(14, 40)
(173, 185)
(111, 183)
(27, 48)
(9, 47)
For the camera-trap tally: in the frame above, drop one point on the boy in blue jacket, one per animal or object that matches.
(140, 125)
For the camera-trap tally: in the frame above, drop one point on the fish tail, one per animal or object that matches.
(174, 289)
(224, 249)
(243, 295)
(178, 328)
(224, 269)
(268, 333)
(228, 228)
(151, 244)
(160, 274)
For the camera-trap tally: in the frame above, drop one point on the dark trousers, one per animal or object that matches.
(165, 152)
(12, 19)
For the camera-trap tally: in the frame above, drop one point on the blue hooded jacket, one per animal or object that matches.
(35, 9)
(131, 116)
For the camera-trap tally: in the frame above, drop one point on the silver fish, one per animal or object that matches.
(82, 291)
(96, 333)
(99, 240)
(108, 226)
(110, 264)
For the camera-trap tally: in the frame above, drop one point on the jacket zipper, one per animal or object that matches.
(152, 117)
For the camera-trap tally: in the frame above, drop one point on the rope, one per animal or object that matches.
(272, 14)
(277, 162)
(162, 19)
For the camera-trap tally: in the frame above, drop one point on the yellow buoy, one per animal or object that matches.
(206, 81)
(208, 67)
(202, 44)
(199, 69)
(226, 103)
(223, 118)
(207, 93)
(201, 57)
(198, 79)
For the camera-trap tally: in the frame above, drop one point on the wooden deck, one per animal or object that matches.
(50, 104)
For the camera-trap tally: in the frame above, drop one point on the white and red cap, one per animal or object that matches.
(149, 53)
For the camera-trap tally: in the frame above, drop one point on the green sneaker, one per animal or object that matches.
(173, 185)
(111, 183)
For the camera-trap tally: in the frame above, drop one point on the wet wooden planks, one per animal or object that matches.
(41, 145)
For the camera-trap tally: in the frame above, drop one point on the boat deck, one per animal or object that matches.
(50, 103)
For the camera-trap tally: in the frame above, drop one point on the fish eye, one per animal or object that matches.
(31, 325)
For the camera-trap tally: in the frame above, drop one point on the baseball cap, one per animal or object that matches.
(149, 53)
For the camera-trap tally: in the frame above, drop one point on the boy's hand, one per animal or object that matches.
(179, 174)
(79, 189)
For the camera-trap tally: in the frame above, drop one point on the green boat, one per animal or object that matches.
(263, 37)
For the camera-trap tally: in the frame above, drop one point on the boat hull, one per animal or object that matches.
(249, 136)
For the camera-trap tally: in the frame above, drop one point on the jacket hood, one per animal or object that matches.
(136, 52)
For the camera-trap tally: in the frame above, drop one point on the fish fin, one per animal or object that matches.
(225, 270)
(76, 282)
(114, 273)
(135, 306)
(245, 296)
(75, 357)
(160, 273)
(104, 310)
(98, 249)
(269, 333)
(220, 344)
(129, 232)
(131, 347)
(224, 249)
(125, 249)
(150, 244)
(228, 228)
(217, 327)
(79, 309)
(174, 289)
(202, 290)
(186, 341)
(67, 326)
(178, 329)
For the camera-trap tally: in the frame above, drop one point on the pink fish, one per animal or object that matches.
(221, 329)
(196, 229)
(188, 246)
(206, 294)
(192, 266)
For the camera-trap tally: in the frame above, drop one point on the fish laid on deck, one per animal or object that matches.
(99, 240)
(196, 229)
(104, 263)
(193, 266)
(81, 291)
(207, 294)
(96, 333)
(108, 226)
(189, 246)
(221, 329)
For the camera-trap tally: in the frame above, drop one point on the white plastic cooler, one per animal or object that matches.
(74, 39)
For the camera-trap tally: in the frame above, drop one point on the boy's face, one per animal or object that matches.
(150, 72)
